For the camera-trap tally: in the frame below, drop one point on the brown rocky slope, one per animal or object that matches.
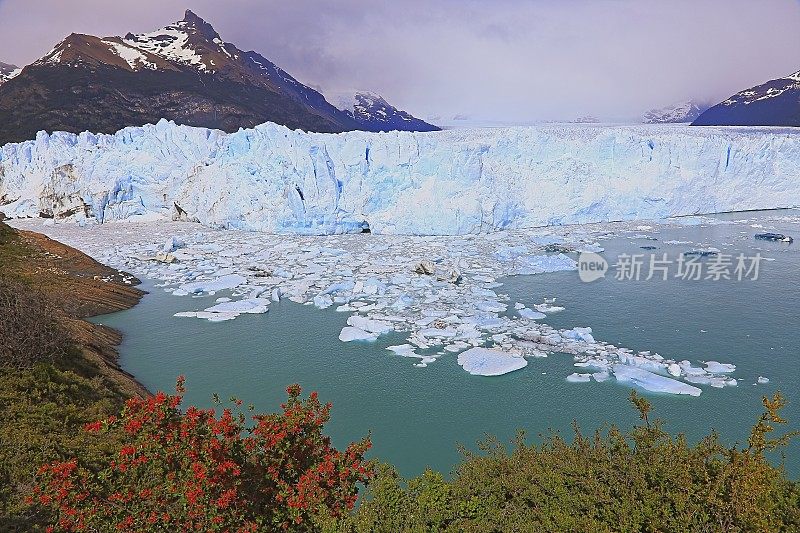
(78, 287)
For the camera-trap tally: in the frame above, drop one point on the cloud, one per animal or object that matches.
(520, 60)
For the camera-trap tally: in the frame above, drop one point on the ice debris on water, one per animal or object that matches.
(392, 284)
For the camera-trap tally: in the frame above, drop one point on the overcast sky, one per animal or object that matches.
(505, 60)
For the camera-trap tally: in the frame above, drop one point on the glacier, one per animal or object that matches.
(272, 179)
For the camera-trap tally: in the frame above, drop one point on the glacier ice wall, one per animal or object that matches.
(273, 179)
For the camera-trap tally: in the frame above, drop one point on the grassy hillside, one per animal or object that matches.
(57, 371)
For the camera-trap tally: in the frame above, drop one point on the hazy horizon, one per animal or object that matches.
(508, 61)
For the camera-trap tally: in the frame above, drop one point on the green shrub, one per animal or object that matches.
(644, 480)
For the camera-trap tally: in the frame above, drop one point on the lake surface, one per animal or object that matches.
(417, 416)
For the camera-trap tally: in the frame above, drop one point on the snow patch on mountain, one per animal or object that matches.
(8, 71)
(273, 179)
(135, 58)
(171, 43)
(766, 91)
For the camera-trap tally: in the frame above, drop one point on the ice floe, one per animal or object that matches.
(652, 382)
(444, 294)
(490, 362)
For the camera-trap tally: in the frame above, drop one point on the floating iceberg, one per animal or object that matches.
(490, 362)
(229, 281)
(540, 264)
(579, 334)
(350, 333)
(251, 305)
(652, 382)
(377, 327)
(530, 314)
(272, 179)
(715, 367)
(579, 378)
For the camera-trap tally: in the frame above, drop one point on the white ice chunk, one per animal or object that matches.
(172, 244)
(378, 327)
(674, 369)
(539, 264)
(719, 368)
(250, 305)
(530, 314)
(579, 378)
(490, 362)
(228, 281)
(601, 376)
(652, 382)
(547, 308)
(350, 333)
(579, 334)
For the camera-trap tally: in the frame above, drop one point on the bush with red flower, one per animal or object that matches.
(195, 469)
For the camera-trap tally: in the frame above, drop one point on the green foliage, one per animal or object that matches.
(44, 409)
(643, 480)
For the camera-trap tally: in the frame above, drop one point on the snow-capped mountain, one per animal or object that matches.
(7, 72)
(586, 119)
(183, 72)
(685, 112)
(273, 179)
(774, 103)
(374, 113)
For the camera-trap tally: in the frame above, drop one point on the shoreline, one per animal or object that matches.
(83, 288)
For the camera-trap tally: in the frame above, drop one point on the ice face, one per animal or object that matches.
(489, 362)
(272, 179)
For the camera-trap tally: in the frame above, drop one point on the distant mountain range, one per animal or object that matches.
(7, 72)
(182, 72)
(774, 103)
(678, 113)
(373, 113)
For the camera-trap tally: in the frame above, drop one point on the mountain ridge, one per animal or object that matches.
(773, 103)
(183, 72)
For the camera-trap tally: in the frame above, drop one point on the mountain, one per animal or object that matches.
(373, 113)
(7, 72)
(775, 103)
(183, 72)
(679, 113)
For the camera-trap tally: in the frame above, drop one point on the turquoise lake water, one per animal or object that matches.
(417, 416)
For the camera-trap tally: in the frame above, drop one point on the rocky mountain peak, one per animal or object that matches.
(200, 26)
